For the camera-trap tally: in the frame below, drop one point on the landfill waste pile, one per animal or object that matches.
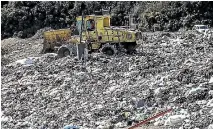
(169, 70)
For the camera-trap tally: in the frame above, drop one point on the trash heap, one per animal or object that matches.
(169, 71)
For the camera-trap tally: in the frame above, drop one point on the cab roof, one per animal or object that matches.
(92, 16)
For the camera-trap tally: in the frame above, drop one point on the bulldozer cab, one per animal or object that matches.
(97, 29)
(93, 22)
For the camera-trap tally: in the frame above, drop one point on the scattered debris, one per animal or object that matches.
(108, 92)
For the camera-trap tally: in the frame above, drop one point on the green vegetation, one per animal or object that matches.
(23, 19)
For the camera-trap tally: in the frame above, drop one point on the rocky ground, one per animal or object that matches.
(170, 70)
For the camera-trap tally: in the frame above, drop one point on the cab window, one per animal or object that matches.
(106, 22)
(78, 25)
(90, 25)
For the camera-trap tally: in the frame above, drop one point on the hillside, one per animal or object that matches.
(23, 19)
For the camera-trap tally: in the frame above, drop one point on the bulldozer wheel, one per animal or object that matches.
(66, 53)
(63, 52)
(108, 51)
(130, 49)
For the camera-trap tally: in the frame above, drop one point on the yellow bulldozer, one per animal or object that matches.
(97, 34)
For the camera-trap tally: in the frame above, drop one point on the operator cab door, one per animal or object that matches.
(90, 24)
(91, 30)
